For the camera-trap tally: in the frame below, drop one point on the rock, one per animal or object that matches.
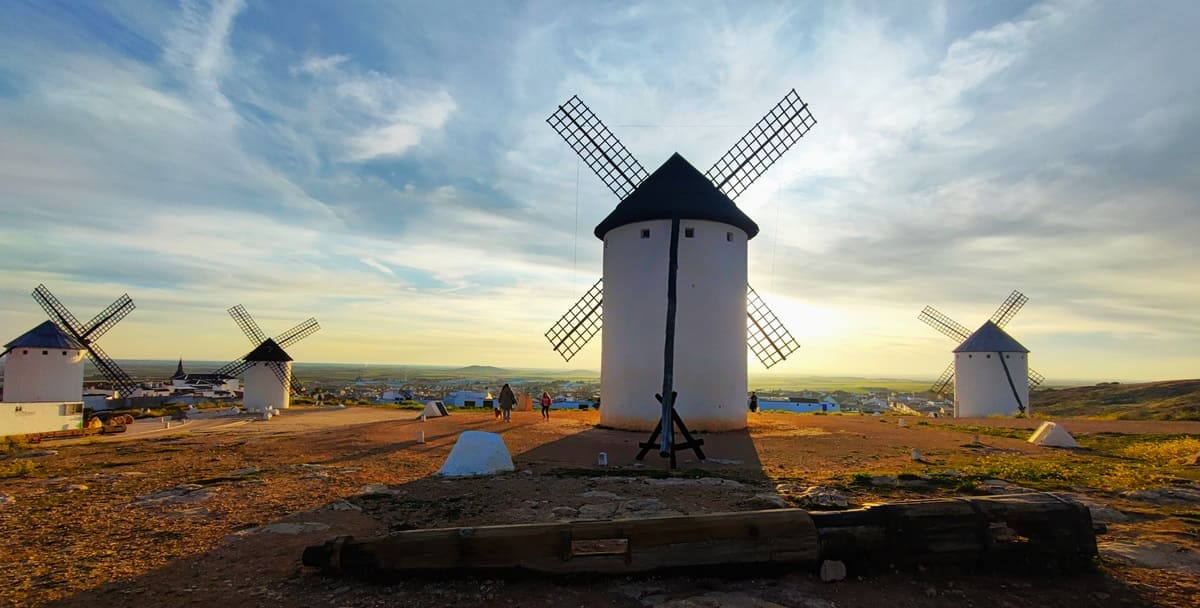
(245, 471)
(1152, 554)
(564, 512)
(192, 513)
(76, 487)
(717, 599)
(597, 511)
(884, 480)
(341, 505)
(1101, 512)
(1166, 496)
(180, 494)
(6, 499)
(641, 507)
(34, 454)
(299, 527)
(722, 461)
(700, 481)
(764, 501)
(930, 592)
(600, 494)
(379, 490)
(832, 570)
(818, 497)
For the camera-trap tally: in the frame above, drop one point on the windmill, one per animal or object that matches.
(676, 233)
(989, 339)
(268, 368)
(87, 334)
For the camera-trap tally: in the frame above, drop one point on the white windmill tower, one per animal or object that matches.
(267, 382)
(990, 371)
(43, 372)
(673, 303)
(43, 364)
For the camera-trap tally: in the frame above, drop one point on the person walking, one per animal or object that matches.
(753, 401)
(507, 400)
(546, 401)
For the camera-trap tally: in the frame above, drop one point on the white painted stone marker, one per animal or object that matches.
(477, 453)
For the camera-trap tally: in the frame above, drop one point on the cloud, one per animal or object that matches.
(317, 65)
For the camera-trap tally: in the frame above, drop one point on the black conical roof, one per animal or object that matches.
(989, 338)
(269, 350)
(676, 188)
(46, 335)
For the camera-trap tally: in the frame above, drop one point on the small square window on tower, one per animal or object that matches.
(645, 233)
(689, 233)
(729, 237)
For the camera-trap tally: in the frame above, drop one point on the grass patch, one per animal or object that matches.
(16, 469)
(1163, 450)
(860, 479)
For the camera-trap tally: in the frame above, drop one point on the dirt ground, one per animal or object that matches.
(219, 512)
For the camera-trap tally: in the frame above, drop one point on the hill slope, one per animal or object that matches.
(1169, 400)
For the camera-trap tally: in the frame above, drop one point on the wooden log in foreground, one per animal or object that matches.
(1039, 531)
(624, 545)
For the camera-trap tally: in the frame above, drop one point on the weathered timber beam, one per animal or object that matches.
(628, 545)
(1039, 531)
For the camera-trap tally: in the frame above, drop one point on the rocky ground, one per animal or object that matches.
(221, 512)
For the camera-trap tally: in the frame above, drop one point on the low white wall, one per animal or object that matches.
(39, 417)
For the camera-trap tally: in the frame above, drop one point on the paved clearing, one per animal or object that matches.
(219, 511)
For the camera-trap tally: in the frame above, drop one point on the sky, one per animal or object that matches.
(386, 168)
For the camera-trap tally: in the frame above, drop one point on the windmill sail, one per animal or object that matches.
(944, 324)
(1009, 308)
(945, 382)
(580, 323)
(597, 146)
(759, 148)
(766, 335)
(87, 335)
(108, 317)
(247, 324)
(297, 333)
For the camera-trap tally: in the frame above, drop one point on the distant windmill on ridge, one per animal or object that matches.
(87, 334)
(268, 368)
(674, 280)
(990, 371)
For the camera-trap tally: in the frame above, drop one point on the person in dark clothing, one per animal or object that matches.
(507, 400)
(546, 401)
(753, 401)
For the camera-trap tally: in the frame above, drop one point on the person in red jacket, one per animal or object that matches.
(546, 401)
